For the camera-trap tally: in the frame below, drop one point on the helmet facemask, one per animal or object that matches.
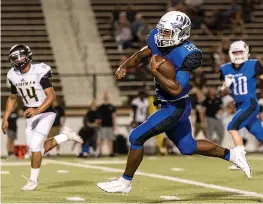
(20, 56)
(17, 60)
(173, 29)
(239, 52)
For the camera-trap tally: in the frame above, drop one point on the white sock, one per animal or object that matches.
(34, 174)
(61, 138)
(124, 181)
(232, 155)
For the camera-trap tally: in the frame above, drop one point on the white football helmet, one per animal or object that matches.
(238, 52)
(173, 28)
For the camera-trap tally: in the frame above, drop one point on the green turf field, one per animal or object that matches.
(196, 179)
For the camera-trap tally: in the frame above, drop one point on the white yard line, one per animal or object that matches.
(4, 172)
(177, 169)
(169, 178)
(169, 197)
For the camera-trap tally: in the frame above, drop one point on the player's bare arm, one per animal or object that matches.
(10, 104)
(133, 61)
(172, 86)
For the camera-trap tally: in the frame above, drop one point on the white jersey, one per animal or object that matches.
(141, 110)
(28, 84)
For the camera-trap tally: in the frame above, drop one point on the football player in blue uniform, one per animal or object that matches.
(241, 77)
(168, 39)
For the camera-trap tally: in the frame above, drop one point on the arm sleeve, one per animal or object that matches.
(222, 78)
(182, 77)
(45, 82)
(259, 69)
(13, 88)
(192, 61)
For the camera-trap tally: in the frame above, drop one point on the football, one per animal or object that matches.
(166, 69)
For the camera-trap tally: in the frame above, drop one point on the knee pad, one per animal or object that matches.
(136, 142)
(187, 145)
(36, 142)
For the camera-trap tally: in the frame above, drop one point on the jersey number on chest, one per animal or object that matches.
(28, 92)
(240, 86)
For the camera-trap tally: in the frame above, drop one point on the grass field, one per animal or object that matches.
(190, 179)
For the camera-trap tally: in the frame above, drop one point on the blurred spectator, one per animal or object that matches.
(114, 17)
(220, 53)
(107, 120)
(12, 133)
(233, 14)
(180, 6)
(123, 32)
(248, 8)
(58, 123)
(140, 106)
(193, 3)
(197, 97)
(212, 105)
(213, 24)
(87, 133)
(131, 13)
(176, 2)
(226, 116)
(224, 47)
(143, 33)
(91, 116)
(139, 21)
(199, 78)
(195, 12)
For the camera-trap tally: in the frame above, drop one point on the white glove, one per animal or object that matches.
(229, 79)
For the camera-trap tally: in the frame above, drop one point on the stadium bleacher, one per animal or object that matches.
(24, 22)
(102, 8)
(28, 26)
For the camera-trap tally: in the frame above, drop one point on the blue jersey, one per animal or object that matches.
(245, 81)
(183, 57)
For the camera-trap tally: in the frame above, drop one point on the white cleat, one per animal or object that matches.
(238, 157)
(71, 135)
(115, 186)
(30, 186)
(234, 167)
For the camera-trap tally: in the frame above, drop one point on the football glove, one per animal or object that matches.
(229, 79)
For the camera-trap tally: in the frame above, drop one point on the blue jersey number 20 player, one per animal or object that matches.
(241, 77)
(169, 40)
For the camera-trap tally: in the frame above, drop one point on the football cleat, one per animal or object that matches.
(238, 157)
(71, 135)
(234, 167)
(30, 186)
(116, 186)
